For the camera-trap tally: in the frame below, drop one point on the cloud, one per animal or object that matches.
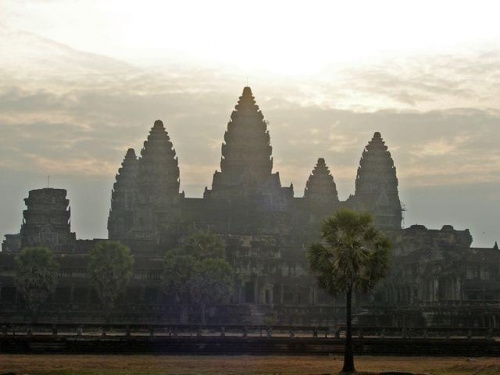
(468, 80)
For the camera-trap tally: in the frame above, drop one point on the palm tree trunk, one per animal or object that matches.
(348, 352)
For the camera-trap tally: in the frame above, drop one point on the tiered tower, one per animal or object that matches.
(246, 163)
(321, 187)
(123, 198)
(377, 186)
(157, 185)
(47, 221)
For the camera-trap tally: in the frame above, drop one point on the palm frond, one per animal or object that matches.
(354, 253)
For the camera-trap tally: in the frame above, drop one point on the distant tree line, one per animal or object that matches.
(196, 273)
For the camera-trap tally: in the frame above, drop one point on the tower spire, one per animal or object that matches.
(157, 185)
(246, 162)
(123, 197)
(377, 185)
(158, 174)
(320, 186)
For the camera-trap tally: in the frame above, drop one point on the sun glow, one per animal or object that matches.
(280, 37)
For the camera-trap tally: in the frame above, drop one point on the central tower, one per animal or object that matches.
(246, 162)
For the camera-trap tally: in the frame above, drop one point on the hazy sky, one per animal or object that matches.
(81, 81)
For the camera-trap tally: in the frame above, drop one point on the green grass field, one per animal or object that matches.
(146, 364)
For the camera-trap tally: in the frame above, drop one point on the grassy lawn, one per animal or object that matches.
(145, 364)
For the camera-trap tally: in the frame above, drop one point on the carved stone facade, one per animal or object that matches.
(267, 230)
(437, 278)
(46, 221)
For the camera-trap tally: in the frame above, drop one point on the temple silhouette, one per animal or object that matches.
(436, 277)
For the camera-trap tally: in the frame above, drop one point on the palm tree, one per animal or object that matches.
(353, 256)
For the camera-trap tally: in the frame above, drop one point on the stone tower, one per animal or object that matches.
(320, 187)
(123, 198)
(157, 186)
(377, 186)
(246, 163)
(46, 221)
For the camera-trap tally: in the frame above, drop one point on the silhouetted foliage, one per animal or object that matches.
(198, 273)
(36, 276)
(110, 267)
(178, 269)
(353, 256)
(204, 245)
(211, 283)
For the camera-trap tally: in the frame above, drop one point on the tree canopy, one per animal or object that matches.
(211, 283)
(204, 245)
(197, 272)
(353, 254)
(36, 276)
(110, 267)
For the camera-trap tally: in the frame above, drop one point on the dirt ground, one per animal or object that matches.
(235, 365)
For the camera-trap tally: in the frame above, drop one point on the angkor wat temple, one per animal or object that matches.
(436, 278)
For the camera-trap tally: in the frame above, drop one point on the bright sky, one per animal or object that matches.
(80, 81)
(277, 36)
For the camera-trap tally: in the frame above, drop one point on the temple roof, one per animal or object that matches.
(130, 153)
(376, 167)
(321, 186)
(377, 185)
(158, 165)
(247, 91)
(246, 161)
(128, 171)
(158, 146)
